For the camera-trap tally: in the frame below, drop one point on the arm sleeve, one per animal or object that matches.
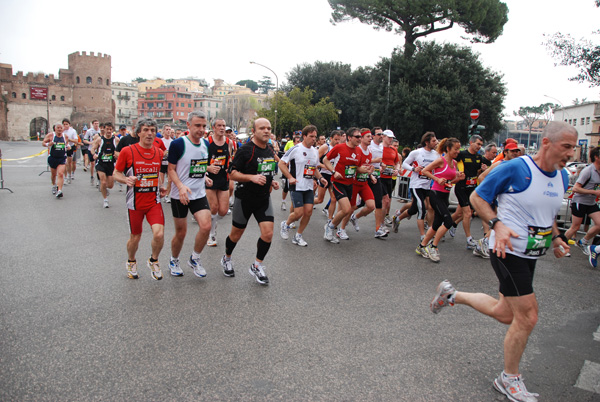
(176, 151)
(514, 175)
(335, 151)
(124, 160)
(407, 163)
(289, 155)
(584, 176)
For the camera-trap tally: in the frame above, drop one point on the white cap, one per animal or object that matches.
(389, 133)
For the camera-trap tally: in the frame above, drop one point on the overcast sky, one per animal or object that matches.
(218, 39)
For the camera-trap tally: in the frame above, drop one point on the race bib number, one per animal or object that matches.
(388, 171)
(350, 171)
(146, 183)
(471, 181)
(309, 171)
(219, 160)
(107, 158)
(362, 176)
(198, 168)
(266, 167)
(538, 240)
(377, 172)
(59, 146)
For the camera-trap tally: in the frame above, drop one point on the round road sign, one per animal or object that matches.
(474, 114)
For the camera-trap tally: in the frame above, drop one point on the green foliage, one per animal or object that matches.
(140, 79)
(253, 85)
(432, 91)
(295, 110)
(583, 54)
(484, 20)
(265, 85)
(530, 114)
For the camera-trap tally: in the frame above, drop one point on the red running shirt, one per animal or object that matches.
(350, 159)
(135, 160)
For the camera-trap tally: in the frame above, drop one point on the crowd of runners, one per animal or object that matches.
(207, 172)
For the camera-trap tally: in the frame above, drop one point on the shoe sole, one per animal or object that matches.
(593, 257)
(130, 276)
(180, 273)
(502, 391)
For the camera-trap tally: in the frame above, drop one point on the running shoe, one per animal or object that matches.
(105, 204)
(228, 211)
(68, 180)
(478, 251)
(434, 253)
(283, 206)
(444, 296)
(292, 225)
(422, 251)
(341, 233)
(91, 180)
(259, 273)
(328, 232)
(212, 241)
(593, 256)
(167, 199)
(381, 233)
(325, 211)
(354, 222)
(471, 244)
(132, 270)
(196, 265)
(395, 223)
(583, 246)
(85, 168)
(298, 240)
(452, 231)
(59, 194)
(426, 226)
(284, 231)
(387, 220)
(514, 389)
(227, 267)
(154, 270)
(54, 190)
(175, 268)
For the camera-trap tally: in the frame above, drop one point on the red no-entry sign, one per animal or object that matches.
(474, 114)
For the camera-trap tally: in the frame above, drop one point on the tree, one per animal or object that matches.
(483, 19)
(583, 54)
(296, 110)
(140, 79)
(253, 85)
(265, 85)
(531, 114)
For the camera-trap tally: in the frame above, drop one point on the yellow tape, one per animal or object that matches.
(27, 157)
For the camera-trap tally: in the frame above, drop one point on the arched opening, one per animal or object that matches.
(53, 97)
(88, 80)
(99, 81)
(38, 128)
(24, 95)
(107, 82)
(77, 80)
(62, 98)
(14, 95)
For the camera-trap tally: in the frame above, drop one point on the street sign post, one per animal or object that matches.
(474, 114)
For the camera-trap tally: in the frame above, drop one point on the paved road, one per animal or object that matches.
(339, 322)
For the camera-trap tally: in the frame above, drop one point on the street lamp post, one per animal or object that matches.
(276, 90)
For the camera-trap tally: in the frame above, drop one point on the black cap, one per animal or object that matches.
(122, 127)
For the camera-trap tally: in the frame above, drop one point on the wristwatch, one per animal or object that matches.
(493, 221)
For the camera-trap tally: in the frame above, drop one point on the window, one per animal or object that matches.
(119, 93)
(150, 105)
(127, 102)
(99, 81)
(200, 104)
(217, 105)
(177, 104)
(159, 105)
(170, 105)
(53, 97)
(107, 82)
(574, 122)
(143, 105)
(582, 121)
(62, 98)
(77, 80)
(88, 80)
(150, 114)
(587, 120)
(570, 121)
(120, 111)
(208, 104)
(190, 105)
(14, 95)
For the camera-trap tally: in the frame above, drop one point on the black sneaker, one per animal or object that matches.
(259, 274)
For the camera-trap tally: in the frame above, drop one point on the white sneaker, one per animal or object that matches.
(212, 241)
(297, 239)
(105, 204)
(341, 233)
(434, 253)
(284, 231)
(471, 244)
(293, 225)
(354, 222)
(381, 233)
(175, 268)
(514, 389)
(283, 206)
(196, 265)
(452, 231)
(228, 211)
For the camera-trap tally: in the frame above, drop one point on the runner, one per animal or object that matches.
(138, 167)
(220, 151)
(471, 164)
(390, 168)
(299, 166)
(419, 184)
(167, 139)
(343, 178)
(73, 139)
(253, 168)
(188, 164)
(444, 174)
(103, 151)
(88, 139)
(334, 139)
(57, 149)
(284, 181)
(586, 190)
(529, 191)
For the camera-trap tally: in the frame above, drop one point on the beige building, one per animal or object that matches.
(125, 96)
(585, 118)
(31, 103)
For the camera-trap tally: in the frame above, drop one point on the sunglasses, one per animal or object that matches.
(357, 136)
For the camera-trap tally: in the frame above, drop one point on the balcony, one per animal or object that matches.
(123, 97)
